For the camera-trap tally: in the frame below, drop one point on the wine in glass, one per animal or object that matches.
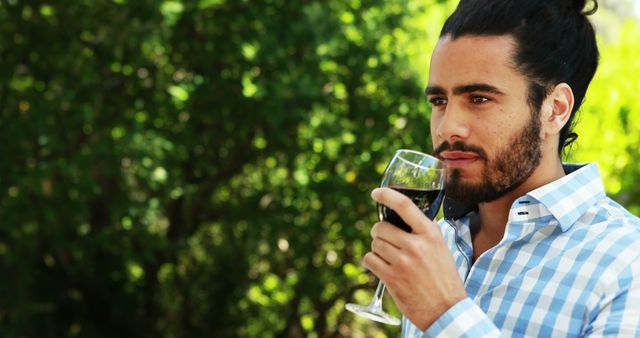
(421, 178)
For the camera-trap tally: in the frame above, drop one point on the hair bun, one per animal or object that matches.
(579, 6)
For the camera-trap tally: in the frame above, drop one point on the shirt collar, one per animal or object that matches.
(567, 198)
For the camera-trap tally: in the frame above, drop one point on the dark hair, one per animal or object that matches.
(555, 43)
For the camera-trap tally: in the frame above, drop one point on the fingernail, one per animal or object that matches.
(374, 192)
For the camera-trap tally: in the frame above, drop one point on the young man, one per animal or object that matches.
(529, 246)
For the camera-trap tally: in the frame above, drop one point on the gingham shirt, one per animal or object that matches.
(567, 266)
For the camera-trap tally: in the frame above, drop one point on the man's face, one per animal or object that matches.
(481, 123)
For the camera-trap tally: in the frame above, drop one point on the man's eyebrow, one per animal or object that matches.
(434, 90)
(477, 87)
(474, 87)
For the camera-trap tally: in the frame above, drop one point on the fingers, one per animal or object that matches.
(385, 250)
(376, 264)
(387, 231)
(404, 207)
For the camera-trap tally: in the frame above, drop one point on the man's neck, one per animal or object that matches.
(492, 216)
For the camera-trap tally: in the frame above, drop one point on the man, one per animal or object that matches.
(529, 246)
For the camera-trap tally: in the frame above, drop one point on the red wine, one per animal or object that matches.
(427, 200)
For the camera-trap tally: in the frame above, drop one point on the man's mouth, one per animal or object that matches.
(456, 159)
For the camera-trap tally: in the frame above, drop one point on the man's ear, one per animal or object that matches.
(556, 109)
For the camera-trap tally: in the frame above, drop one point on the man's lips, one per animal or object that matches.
(458, 158)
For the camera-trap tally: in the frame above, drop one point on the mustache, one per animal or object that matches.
(460, 146)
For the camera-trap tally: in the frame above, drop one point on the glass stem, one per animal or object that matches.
(376, 302)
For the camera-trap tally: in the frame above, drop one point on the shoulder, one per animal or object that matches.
(609, 233)
(610, 215)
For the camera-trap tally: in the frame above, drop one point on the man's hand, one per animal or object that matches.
(417, 268)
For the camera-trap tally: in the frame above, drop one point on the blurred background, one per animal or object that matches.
(202, 168)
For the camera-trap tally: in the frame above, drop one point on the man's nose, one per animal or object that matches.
(454, 124)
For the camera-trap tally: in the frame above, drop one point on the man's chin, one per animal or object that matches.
(471, 193)
(470, 176)
(460, 192)
(463, 181)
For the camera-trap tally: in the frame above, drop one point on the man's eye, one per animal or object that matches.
(479, 99)
(438, 101)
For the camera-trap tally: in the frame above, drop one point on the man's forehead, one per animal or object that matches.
(473, 61)
(494, 48)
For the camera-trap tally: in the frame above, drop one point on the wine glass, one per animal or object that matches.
(421, 178)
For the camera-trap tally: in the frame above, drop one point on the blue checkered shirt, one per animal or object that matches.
(567, 266)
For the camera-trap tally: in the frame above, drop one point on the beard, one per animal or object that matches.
(511, 166)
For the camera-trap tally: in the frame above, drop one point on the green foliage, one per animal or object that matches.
(192, 168)
(197, 168)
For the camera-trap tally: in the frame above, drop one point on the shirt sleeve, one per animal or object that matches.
(465, 319)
